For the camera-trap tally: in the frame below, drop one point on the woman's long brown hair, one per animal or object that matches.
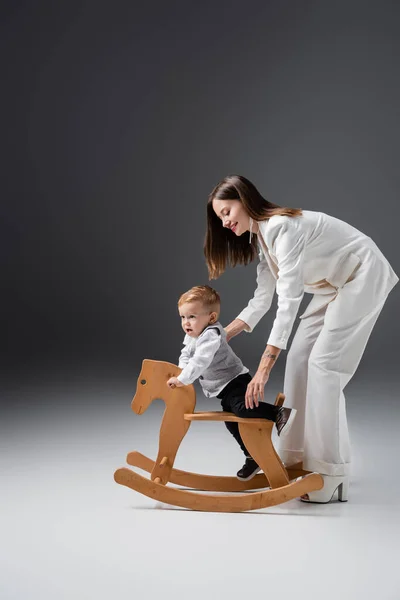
(221, 245)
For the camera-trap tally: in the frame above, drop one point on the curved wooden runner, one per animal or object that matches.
(211, 483)
(215, 503)
(256, 433)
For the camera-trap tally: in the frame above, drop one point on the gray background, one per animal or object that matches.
(117, 120)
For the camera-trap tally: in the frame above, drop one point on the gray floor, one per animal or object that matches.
(69, 532)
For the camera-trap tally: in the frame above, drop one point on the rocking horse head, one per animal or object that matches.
(152, 385)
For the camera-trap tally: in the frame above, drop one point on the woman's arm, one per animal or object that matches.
(255, 389)
(288, 241)
(259, 304)
(235, 327)
(268, 359)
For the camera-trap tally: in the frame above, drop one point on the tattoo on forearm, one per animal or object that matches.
(268, 354)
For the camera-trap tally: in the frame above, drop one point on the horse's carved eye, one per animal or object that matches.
(143, 381)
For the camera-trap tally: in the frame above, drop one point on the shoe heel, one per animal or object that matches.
(327, 493)
(343, 490)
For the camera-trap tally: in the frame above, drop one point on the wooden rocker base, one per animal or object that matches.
(211, 483)
(215, 503)
(177, 418)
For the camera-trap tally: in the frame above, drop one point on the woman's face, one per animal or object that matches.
(232, 214)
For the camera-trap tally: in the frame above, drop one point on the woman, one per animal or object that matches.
(303, 251)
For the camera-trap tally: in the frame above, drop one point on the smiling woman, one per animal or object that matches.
(303, 251)
(236, 202)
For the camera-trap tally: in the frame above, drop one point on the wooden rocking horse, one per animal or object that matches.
(179, 413)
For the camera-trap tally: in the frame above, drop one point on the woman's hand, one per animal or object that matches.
(255, 389)
(174, 382)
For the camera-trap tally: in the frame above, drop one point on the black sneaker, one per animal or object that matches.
(284, 420)
(249, 469)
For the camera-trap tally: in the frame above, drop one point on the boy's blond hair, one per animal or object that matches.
(205, 294)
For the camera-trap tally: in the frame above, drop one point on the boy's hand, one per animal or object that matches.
(174, 382)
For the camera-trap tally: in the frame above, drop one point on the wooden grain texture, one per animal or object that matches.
(219, 415)
(258, 442)
(217, 503)
(212, 483)
(151, 385)
(179, 413)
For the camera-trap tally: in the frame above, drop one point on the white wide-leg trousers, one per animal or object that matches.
(324, 355)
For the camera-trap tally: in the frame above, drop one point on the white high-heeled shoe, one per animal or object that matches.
(331, 484)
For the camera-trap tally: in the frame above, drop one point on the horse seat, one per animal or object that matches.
(219, 415)
(179, 412)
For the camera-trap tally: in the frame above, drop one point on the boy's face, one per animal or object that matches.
(195, 317)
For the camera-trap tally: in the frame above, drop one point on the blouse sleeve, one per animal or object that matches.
(287, 242)
(263, 295)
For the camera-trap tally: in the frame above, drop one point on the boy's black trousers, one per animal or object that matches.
(232, 400)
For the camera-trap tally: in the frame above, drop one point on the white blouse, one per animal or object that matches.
(313, 253)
